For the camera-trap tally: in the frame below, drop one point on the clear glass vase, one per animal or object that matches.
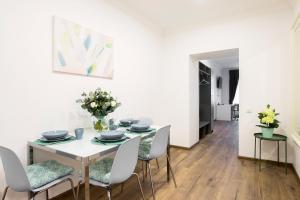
(100, 124)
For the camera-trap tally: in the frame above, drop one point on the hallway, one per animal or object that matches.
(211, 170)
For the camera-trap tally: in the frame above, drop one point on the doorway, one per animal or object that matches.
(218, 89)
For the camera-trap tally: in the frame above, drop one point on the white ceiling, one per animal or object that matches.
(174, 13)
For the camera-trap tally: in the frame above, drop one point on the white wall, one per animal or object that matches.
(296, 62)
(295, 32)
(296, 6)
(263, 42)
(193, 106)
(34, 99)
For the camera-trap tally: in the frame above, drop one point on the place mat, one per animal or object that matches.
(144, 135)
(42, 143)
(95, 141)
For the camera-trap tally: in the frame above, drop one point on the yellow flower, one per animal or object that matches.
(269, 112)
(267, 120)
(268, 117)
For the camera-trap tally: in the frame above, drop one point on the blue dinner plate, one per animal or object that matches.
(140, 127)
(43, 139)
(101, 139)
(126, 121)
(129, 121)
(112, 135)
(55, 134)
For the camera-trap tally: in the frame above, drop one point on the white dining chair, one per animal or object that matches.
(110, 171)
(156, 149)
(34, 178)
(148, 121)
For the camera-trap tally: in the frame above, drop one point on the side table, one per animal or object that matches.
(275, 138)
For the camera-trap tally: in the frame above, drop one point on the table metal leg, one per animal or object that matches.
(29, 162)
(146, 174)
(143, 172)
(278, 152)
(85, 166)
(29, 155)
(109, 193)
(286, 157)
(168, 164)
(259, 154)
(4, 192)
(47, 194)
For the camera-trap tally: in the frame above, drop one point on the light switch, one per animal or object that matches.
(249, 111)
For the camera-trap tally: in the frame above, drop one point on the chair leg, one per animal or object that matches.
(152, 185)
(109, 193)
(157, 163)
(143, 173)
(4, 193)
(32, 194)
(141, 189)
(47, 194)
(146, 170)
(78, 188)
(122, 187)
(171, 170)
(72, 187)
(141, 165)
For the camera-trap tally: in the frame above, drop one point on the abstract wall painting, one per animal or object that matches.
(79, 50)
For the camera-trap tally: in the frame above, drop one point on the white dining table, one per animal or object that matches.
(85, 151)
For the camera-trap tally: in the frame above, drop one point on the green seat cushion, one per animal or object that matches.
(40, 174)
(144, 149)
(148, 140)
(100, 170)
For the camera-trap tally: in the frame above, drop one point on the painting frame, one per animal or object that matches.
(81, 51)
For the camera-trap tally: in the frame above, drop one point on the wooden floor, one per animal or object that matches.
(211, 170)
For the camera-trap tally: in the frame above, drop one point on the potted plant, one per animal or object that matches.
(268, 121)
(99, 104)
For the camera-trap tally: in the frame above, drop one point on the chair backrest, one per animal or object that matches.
(125, 161)
(15, 174)
(160, 142)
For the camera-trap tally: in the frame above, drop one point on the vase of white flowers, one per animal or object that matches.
(99, 104)
(268, 121)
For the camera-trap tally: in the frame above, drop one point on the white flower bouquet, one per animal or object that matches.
(99, 103)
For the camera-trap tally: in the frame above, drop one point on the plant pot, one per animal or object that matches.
(100, 124)
(267, 132)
